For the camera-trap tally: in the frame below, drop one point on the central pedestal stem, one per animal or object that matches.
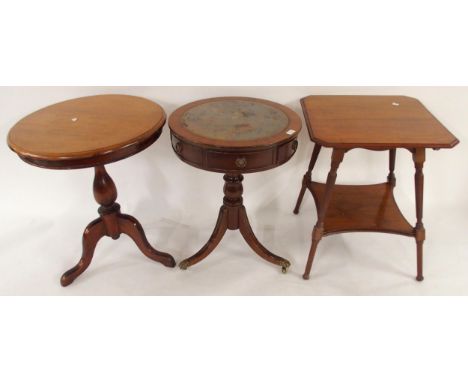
(232, 215)
(111, 223)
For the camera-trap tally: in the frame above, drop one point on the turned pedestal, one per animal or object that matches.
(92, 132)
(111, 223)
(234, 136)
(233, 216)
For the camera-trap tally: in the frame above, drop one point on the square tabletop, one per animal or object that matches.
(373, 122)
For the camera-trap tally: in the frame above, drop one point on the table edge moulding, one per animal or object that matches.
(368, 208)
(233, 161)
(87, 117)
(395, 102)
(88, 157)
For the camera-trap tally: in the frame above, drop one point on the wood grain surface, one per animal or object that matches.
(378, 122)
(65, 134)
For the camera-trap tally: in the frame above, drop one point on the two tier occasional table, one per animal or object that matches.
(234, 135)
(386, 123)
(92, 132)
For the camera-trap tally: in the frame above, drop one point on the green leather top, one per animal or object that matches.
(235, 120)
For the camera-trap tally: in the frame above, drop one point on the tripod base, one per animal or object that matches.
(111, 223)
(233, 216)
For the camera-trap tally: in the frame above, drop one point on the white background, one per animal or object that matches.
(46, 212)
(249, 43)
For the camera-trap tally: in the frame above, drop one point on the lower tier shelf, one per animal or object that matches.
(361, 208)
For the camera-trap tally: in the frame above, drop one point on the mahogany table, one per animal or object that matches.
(387, 123)
(92, 132)
(234, 135)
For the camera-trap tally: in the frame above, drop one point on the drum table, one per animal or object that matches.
(91, 132)
(386, 123)
(234, 135)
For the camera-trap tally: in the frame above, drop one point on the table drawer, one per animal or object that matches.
(242, 162)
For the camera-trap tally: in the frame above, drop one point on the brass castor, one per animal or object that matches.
(284, 266)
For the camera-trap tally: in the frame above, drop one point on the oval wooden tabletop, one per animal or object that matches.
(235, 122)
(87, 131)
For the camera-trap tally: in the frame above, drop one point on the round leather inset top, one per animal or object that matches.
(87, 131)
(235, 122)
(234, 134)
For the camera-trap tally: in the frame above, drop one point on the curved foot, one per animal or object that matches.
(252, 241)
(213, 241)
(419, 278)
(92, 234)
(305, 277)
(131, 227)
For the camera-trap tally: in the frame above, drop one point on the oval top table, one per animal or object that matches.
(234, 135)
(91, 132)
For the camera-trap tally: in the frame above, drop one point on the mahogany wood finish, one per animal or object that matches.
(375, 123)
(87, 131)
(91, 132)
(307, 177)
(245, 161)
(419, 156)
(363, 208)
(234, 158)
(111, 223)
(233, 216)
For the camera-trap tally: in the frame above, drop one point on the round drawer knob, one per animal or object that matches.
(241, 162)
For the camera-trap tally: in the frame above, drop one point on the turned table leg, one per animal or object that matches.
(391, 166)
(317, 233)
(233, 216)
(111, 223)
(307, 176)
(419, 156)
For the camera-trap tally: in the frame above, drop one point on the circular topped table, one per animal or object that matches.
(234, 135)
(91, 132)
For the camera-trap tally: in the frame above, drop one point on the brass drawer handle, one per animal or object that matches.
(241, 162)
(294, 146)
(178, 147)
